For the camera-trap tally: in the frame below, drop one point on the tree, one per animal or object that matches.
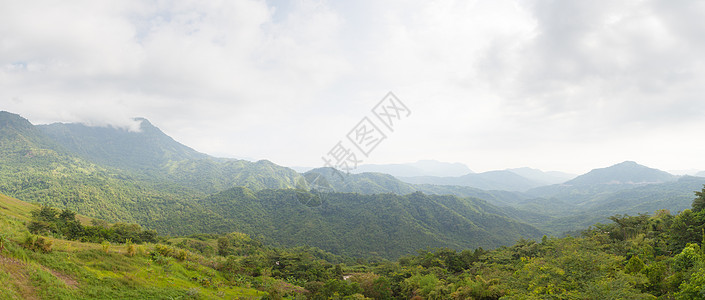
(45, 214)
(223, 246)
(635, 265)
(67, 216)
(699, 201)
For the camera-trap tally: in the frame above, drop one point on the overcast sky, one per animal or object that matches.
(555, 85)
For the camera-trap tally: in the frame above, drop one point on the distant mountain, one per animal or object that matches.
(700, 174)
(621, 176)
(573, 209)
(492, 180)
(627, 172)
(378, 183)
(385, 225)
(419, 168)
(544, 178)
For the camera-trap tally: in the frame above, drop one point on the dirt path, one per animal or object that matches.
(20, 273)
(20, 277)
(68, 280)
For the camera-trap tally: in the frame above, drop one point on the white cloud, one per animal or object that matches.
(494, 84)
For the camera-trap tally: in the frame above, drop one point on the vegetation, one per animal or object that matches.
(49, 221)
(656, 256)
(393, 225)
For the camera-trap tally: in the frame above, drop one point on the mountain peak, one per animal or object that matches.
(144, 126)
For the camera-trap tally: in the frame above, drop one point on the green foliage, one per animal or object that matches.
(105, 245)
(635, 265)
(693, 288)
(130, 248)
(48, 221)
(38, 243)
(699, 201)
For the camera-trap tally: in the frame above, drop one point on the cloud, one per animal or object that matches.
(284, 80)
(624, 61)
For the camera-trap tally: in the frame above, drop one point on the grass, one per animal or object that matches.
(76, 270)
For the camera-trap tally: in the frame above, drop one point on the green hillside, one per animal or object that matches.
(384, 225)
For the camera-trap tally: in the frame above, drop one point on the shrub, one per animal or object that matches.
(34, 243)
(106, 246)
(131, 248)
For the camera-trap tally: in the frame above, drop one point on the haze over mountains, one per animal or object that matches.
(419, 168)
(147, 177)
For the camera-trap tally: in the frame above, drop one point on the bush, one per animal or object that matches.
(131, 248)
(106, 246)
(34, 243)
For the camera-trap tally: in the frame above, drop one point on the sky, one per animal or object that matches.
(556, 85)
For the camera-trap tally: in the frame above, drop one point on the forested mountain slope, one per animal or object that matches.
(385, 225)
(152, 153)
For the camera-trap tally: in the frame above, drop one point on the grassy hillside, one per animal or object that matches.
(76, 270)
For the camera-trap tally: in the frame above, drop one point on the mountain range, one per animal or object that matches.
(520, 179)
(148, 178)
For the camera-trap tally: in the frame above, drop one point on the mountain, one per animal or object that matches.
(700, 174)
(575, 209)
(491, 180)
(19, 138)
(621, 176)
(147, 148)
(151, 152)
(365, 183)
(385, 225)
(419, 168)
(627, 172)
(622, 188)
(544, 178)
(35, 168)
